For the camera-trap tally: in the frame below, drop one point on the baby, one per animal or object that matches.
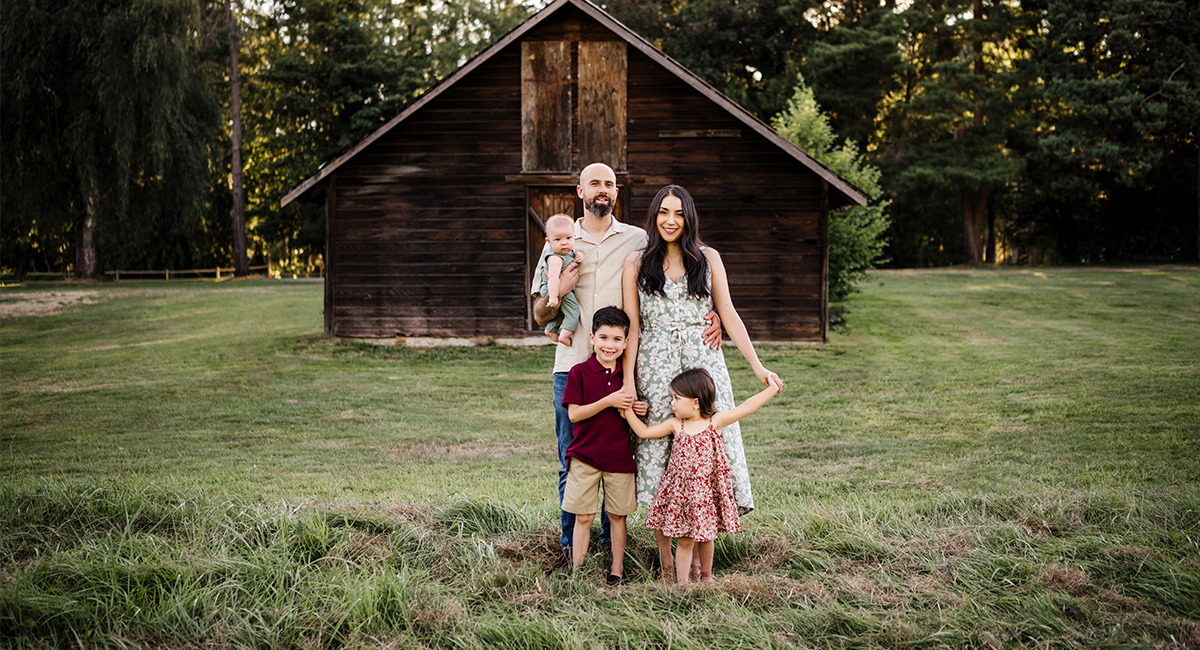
(560, 235)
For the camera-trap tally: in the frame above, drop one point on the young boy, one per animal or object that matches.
(601, 452)
(560, 235)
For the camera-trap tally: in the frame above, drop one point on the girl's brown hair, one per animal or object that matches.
(697, 384)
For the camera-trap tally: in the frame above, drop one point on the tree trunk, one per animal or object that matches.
(87, 255)
(974, 207)
(989, 253)
(238, 212)
(975, 200)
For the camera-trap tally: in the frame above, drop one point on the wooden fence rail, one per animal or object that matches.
(164, 274)
(178, 274)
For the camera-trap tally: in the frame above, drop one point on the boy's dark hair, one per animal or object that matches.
(614, 316)
(697, 384)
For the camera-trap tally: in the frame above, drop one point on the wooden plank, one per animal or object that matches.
(425, 99)
(702, 133)
(545, 106)
(494, 328)
(602, 110)
(330, 267)
(570, 179)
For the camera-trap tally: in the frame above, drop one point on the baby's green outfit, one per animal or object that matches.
(568, 308)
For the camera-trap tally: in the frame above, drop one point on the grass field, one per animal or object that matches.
(981, 458)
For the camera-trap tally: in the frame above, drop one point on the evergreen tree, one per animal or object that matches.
(854, 62)
(946, 127)
(748, 49)
(1118, 86)
(856, 234)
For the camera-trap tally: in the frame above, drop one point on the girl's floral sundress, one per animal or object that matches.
(695, 498)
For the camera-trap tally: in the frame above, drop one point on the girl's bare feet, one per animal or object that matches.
(564, 337)
(552, 336)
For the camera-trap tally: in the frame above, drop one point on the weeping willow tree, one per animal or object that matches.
(106, 134)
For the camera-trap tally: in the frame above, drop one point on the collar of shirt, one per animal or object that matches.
(614, 227)
(593, 364)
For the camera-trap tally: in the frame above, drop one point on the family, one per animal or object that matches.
(639, 313)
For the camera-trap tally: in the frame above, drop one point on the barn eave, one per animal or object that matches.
(843, 193)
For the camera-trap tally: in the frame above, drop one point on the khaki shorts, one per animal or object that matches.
(582, 494)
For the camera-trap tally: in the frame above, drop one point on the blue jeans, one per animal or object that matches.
(566, 433)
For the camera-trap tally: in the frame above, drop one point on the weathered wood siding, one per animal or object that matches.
(428, 239)
(429, 226)
(760, 208)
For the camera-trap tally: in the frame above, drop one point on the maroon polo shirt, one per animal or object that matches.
(602, 440)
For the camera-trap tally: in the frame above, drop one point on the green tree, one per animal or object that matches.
(856, 234)
(326, 73)
(106, 152)
(946, 127)
(748, 49)
(854, 61)
(1118, 84)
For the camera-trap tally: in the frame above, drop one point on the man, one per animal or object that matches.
(604, 243)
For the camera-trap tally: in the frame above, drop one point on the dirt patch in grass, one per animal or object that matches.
(46, 303)
(952, 545)
(1072, 581)
(1131, 555)
(434, 616)
(1035, 527)
(1189, 633)
(542, 548)
(368, 550)
(770, 590)
(392, 513)
(770, 553)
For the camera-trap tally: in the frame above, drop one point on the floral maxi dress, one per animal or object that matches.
(695, 498)
(671, 342)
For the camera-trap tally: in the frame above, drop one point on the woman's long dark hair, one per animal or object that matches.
(651, 277)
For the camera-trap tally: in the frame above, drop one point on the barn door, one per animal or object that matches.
(541, 204)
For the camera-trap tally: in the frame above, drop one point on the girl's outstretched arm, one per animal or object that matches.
(732, 321)
(660, 430)
(723, 419)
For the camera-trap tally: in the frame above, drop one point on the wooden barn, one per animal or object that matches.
(433, 222)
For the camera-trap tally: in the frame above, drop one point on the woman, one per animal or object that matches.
(667, 289)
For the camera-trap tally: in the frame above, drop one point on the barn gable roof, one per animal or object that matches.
(844, 193)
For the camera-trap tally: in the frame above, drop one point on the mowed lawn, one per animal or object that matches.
(979, 458)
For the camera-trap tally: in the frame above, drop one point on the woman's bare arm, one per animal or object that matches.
(723, 304)
(632, 306)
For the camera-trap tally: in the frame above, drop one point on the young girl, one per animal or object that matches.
(695, 498)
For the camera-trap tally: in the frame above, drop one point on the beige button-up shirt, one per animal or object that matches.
(599, 282)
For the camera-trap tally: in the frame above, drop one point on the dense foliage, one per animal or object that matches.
(1009, 131)
(856, 234)
(1002, 130)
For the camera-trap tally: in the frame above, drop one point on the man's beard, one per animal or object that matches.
(599, 210)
